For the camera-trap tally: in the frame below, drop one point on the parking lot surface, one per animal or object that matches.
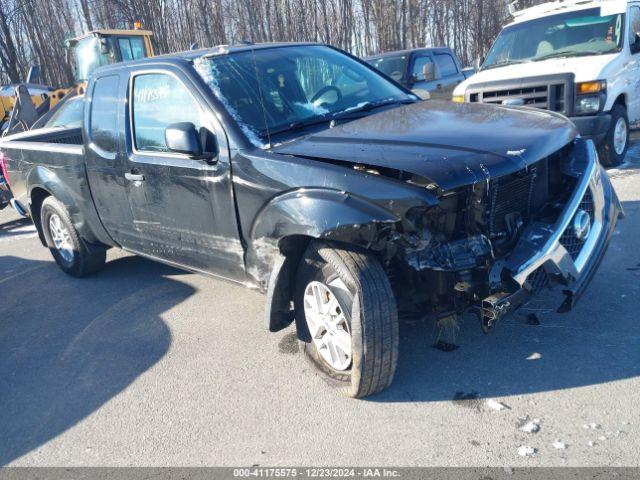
(144, 364)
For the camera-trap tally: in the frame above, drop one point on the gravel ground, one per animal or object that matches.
(144, 364)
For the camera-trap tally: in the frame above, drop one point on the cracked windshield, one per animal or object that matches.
(298, 87)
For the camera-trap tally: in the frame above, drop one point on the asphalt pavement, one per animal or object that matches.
(144, 364)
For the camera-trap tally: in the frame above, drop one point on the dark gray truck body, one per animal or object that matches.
(444, 195)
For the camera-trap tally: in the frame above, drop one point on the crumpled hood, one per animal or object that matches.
(451, 144)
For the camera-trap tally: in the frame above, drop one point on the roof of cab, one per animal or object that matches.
(395, 53)
(609, 7)
(190, 55)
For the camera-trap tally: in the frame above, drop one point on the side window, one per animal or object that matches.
(131, 48)
(418, 67)
(446, 65)
(104, 115)
(160, 99)
(69, 115)
(634, 24)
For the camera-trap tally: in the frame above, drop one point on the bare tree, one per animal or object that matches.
(34, 31)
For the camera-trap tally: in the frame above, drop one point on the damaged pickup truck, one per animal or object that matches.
(299, 170)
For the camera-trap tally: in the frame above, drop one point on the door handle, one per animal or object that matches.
(133, 176)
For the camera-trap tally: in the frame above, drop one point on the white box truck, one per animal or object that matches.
(578, 58)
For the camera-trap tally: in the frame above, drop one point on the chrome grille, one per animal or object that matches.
(548, 92)
(537, 96)
(569, 241)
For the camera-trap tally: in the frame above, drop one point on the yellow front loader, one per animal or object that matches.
(22, 105)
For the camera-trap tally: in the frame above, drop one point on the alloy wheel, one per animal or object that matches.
(328, 323)
(61, 238)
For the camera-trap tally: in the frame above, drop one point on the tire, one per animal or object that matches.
(73, 255)
(610, 151)
(364, 298)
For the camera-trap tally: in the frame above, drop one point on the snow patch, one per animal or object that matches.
(559, 445)
(209, 72)
(525, 451)
(531, 427)
(311, 108)
(495, 405)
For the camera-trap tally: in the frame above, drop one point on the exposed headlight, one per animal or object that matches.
(588, 104)
(458, 98)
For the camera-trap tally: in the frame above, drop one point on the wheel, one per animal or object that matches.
(613, 148)
(72, 254)
(347, 318)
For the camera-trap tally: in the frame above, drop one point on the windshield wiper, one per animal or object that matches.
(368, 106)
(504, 63)
(568, 53)
(328, 118)
(297, 125)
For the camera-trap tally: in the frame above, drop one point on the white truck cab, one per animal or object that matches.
(579, 58)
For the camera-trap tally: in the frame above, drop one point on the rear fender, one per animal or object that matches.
(45, 179)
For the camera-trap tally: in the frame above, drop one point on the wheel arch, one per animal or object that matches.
(285, 227)
(44, 182)
(38, 196)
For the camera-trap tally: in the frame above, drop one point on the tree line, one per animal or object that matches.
(34, 31)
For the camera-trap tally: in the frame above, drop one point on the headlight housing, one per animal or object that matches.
(586, 104)
(590, 97)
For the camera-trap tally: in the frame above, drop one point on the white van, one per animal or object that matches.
(579, 58)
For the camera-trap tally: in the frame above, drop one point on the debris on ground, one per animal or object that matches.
(532, 319)
(531, 427)
(602, 438)
(592, 426)
(534, 356)
(591, 443)
(525, 451)
(495, 405)
(559, 445)
(445, 346)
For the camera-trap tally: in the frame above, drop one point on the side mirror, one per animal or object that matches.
(183, 137)
(429, 72)
(635, 46)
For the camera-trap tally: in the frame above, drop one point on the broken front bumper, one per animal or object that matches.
(567, 252)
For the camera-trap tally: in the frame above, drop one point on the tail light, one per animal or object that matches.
(3, 167)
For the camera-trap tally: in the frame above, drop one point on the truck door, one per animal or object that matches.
(104, 158)
(449, 75)
(183, 208)
(632, 66)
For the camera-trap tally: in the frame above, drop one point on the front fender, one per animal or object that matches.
(302, 214)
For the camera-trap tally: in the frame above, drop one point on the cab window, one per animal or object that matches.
(158, 100)
(103, 119)
(446, 65)
(69, 115)
(634, 24)
(131, 48)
